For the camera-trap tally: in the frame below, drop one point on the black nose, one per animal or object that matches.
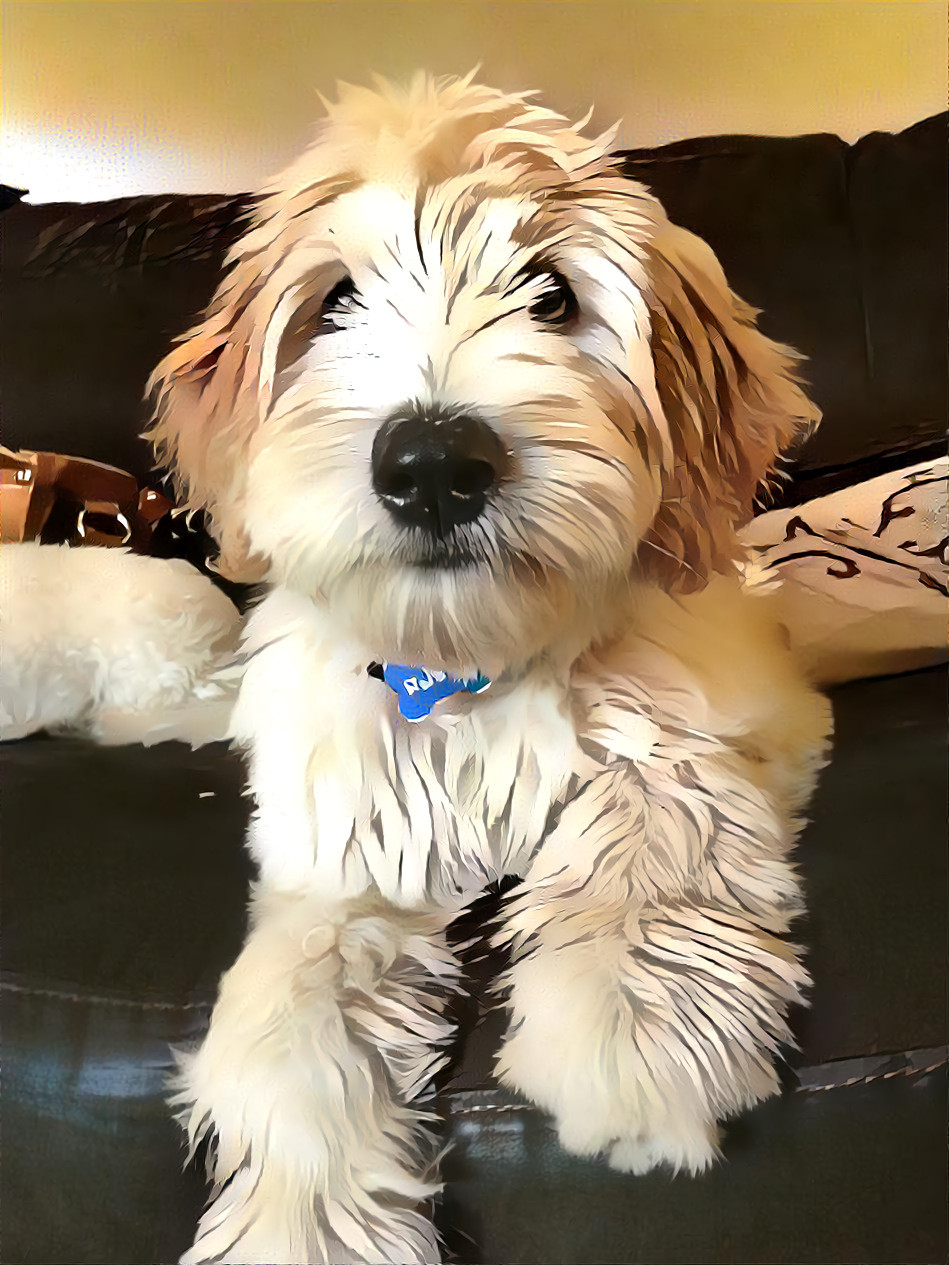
(433, 470)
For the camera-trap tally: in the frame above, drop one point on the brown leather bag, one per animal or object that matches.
(56, 499)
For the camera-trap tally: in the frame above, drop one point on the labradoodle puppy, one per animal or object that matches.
(487, 423)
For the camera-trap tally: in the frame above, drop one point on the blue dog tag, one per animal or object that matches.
(419, 689)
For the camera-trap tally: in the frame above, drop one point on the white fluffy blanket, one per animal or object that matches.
(121, 647)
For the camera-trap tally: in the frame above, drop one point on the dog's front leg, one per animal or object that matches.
(326, 1029)
(650, 984)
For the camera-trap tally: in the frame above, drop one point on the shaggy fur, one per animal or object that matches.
(115, 646)
(646, 745)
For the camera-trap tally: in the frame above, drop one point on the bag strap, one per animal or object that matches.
(60, 499)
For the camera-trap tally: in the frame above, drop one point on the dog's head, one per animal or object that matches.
(464, 381)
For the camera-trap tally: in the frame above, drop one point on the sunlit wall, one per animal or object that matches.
(128, 96)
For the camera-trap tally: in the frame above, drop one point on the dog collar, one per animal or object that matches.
(419, 689)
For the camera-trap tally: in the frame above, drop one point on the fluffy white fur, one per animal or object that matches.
(646, 746)
(118, 647)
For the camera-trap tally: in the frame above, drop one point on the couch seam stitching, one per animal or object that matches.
(97, 999)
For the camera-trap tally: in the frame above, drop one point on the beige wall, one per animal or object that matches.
(124, 96)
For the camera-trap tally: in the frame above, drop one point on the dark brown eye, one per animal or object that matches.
(556, 304)
(341, 300)
(317, 315)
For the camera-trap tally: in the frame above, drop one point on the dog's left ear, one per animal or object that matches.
(732, 403)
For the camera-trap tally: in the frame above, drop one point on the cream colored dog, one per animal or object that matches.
(486, 420)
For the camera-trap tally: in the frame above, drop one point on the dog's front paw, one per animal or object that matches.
(621, 1079)
(632, 1125)
(606, 1101)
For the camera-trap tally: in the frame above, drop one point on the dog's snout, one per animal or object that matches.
(434, 470)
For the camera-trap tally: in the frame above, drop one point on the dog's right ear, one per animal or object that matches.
(205, 394)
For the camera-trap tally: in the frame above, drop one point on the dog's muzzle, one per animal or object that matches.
(434, 470)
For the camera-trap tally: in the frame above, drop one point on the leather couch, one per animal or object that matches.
(125, 877)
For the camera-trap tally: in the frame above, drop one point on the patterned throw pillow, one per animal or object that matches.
(861, 574)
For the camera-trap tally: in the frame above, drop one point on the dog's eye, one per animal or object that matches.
(314, 317)
(342, 299)
(556, 304)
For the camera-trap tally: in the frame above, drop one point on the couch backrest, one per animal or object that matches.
(844, 250)
(93, 295)
(842, 247)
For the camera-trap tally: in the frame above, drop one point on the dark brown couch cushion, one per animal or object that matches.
(93, 297)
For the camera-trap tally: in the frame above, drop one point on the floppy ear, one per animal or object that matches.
(732, 403)
(211, 390)
(206, 407)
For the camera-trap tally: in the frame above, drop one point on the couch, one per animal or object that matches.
(125, 878)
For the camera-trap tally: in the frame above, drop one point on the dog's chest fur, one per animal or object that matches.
(350, 795)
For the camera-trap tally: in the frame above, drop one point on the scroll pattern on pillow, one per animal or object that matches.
(861, 574)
